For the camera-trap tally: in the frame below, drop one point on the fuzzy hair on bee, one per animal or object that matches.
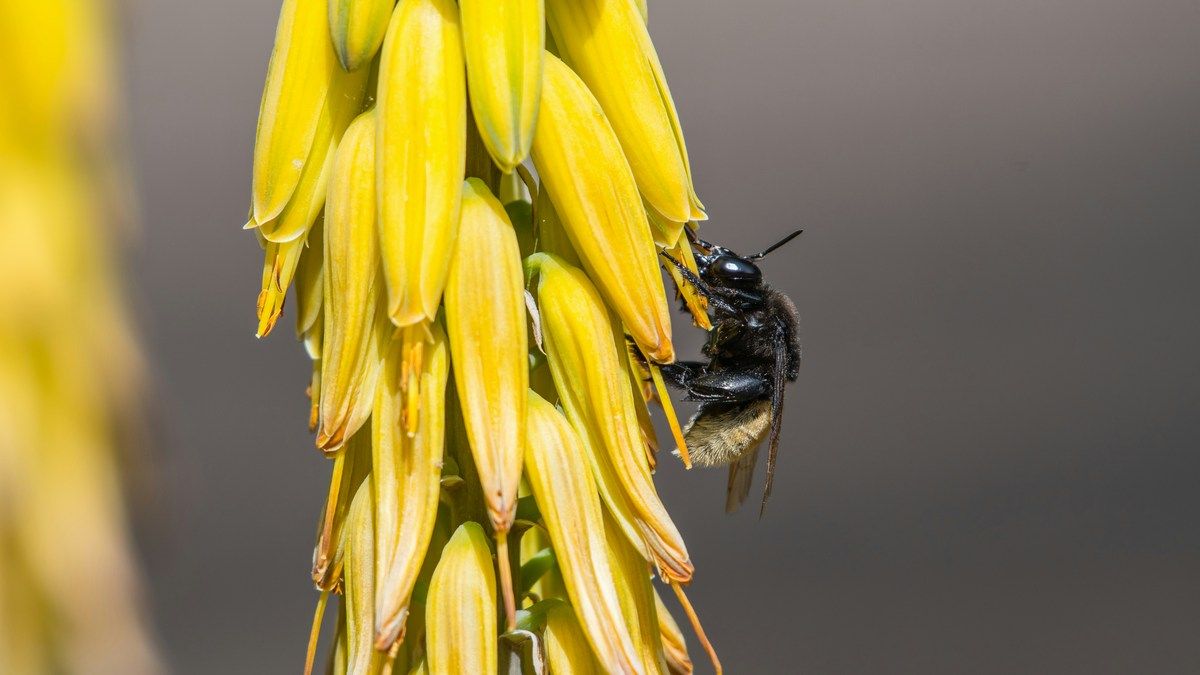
(753, 351)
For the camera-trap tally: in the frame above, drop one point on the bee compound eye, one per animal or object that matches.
(732, 269)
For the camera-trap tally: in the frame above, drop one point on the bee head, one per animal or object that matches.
(730, 270)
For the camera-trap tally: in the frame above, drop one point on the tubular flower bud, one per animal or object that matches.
(350, 469)
(674, 647)
(357, 28)
(309, 291)
(591, 378)
(350, 349)
(503, 41)
(460, 611)
(485, 318)
(302, 66)
(567, 649)
(580, 161)
(359, 580)
(566, 493)
(607, 44)
(406, 474)
(344, 102)
(422, 154)
(631, 577)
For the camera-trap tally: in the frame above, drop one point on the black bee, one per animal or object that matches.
(753, 351)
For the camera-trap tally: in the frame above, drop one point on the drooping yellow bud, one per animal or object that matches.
(357, 28)
(422, 141)
(350, 349)
(567, 649)
(485, 319)
(406, 474)
(580, 161)
(631, 577)
(503, 41)
(607, 44)
(590, 374)
(350, 469)
(460, 610)
(359, 576)
(344, 103)
(309, 291)
(298, 78)
(565, 491)
(674, 647)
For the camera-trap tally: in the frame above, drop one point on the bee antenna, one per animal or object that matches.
(772, 247)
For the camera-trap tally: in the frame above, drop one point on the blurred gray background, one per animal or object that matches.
(990, 459)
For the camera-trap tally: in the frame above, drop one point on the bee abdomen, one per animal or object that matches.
(717, 436)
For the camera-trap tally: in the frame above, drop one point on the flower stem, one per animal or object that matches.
(506, 581)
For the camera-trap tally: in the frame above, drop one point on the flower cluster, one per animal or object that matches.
(469, 199)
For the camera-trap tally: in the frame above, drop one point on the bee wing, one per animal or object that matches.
(781, 357)
(741, 475)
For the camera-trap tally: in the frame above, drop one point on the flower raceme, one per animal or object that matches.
(470, 326)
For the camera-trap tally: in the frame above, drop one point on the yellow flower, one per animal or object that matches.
(422, 153)
(567, 650)
(607, 44)
(485, 318)
(302, 66)
(566, 492)
(359, 575)
(357, 28)
(503, 41)
(344, 102)
(460, 614)
(406, 473)
(350, 349)
(580, 161)
(592, 381)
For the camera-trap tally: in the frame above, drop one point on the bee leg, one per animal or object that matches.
(681, 373)
(702, 288)
(728, 387)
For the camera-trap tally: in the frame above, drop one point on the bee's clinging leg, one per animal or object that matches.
(728, 387)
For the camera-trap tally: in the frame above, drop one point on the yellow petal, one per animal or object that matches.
(485, 319)
(308, 284)
(566, 494)
(567, 649)
(279, 268)
(357, 28)
(350, 468)
(607, 44)
(460, 611)
(302, 65)
(406, 475)
(588, 178)
(591, 376)
(643, 9)
(359, 572)
(422, 154)
(350, 353)
(674, 647)
(344, 102)
(503, 42)
(631, 577)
